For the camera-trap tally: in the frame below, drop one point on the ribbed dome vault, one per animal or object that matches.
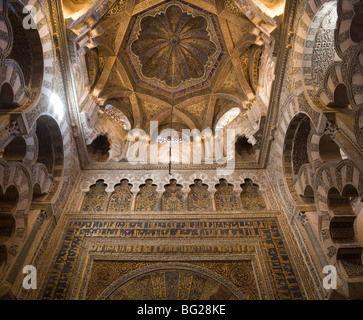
(173, 42)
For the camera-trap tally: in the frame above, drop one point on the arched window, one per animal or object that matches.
(227, 118)
(118, 116)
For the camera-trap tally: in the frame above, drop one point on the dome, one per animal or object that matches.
(174, 42)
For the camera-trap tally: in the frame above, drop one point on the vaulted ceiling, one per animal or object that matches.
(197, 58)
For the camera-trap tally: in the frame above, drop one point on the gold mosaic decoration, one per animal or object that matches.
(95, 199)
(199, 198)
(121, 198)
(265, 230)
(117, 8)
(251, 197)
(173, 198)
(147, 199)
(225, 198)
(175, 284)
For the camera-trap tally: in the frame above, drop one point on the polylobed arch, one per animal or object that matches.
(99, 149)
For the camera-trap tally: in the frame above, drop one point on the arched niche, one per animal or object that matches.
(251, 197)
(95, 199)
(341, 100)
(98, 150)
(9, 200)
(356, 27)
(38, 194)
(6, 93)
(342, 222)
(8, 204)
(243, 146)
(92, 63)
(50, 145)
(3, 257)
(172, 279)
(245, 150)
(329, 150)
(15, 150)
(119, 116)
(296, 145)
(227, 118)
(7, 97)
(27, 48)
(309, 208)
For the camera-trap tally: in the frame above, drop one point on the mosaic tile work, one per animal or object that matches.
(95, 199)
(251, 197)
(266, 230)
(173, 198)
(121, 198)
(225, 198)
(147, 199)
(105, 273)
(160, 285)
(199, 198)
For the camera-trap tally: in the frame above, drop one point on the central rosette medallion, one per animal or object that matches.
(174, 46)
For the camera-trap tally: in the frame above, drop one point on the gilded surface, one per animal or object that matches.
(199, 198)
(173, 198)
(180, 35)
(175, 284)
(147, 198)
(266, 230)
(177, 37)
(95, 199)
(251, 197)
(225, 198)
(121, 198)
